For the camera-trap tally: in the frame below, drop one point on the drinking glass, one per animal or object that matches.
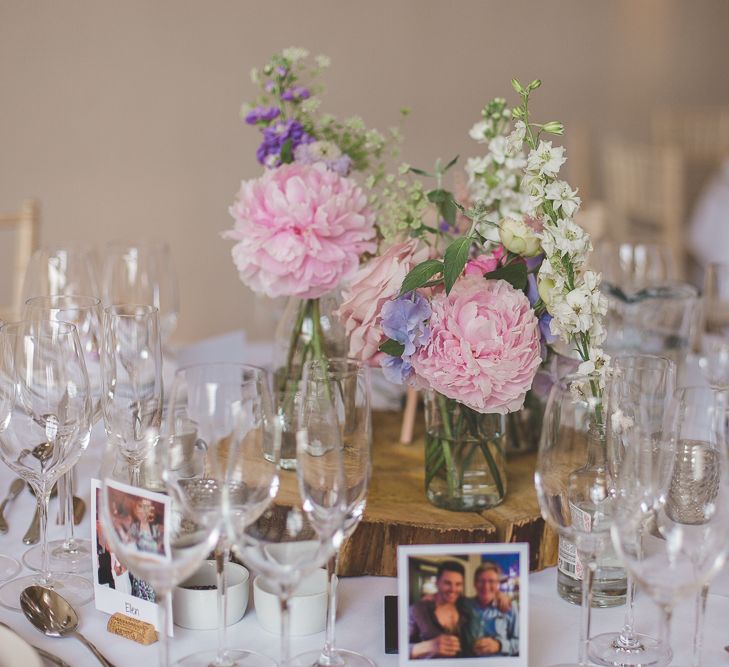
(131, 377)
(638, 398)
(347, 382)
(572, 480)
(162, 526)
(304, 527)
(67, 269)
(45, 410)
(71, 554)
(142, 273)
(672, 504)
(230, 407)
(631, 267)
(714, 329)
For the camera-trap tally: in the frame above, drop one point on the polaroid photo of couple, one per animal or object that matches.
(462, 602)
(141, 521)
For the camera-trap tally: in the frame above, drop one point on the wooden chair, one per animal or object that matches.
(644, 196)
(24, 223)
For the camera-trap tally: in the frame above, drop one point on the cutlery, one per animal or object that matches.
(42, 653)
(32, 535)
(15, 488)
(54, 616)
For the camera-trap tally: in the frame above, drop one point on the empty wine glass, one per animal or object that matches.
(572, 480)
(672, 503)
(714, 326)
(631, 267)
(230, 407)
(347, 382)
(304, 527)
(45, 409)
(71, 554)
(639, 395)
(162, 526)
(66, 269)
(142, 273)
(131, 375)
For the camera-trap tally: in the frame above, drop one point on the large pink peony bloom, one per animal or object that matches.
(375, 283)
(484, 345)
(300, 229)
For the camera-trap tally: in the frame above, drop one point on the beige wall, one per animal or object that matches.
(122, 117)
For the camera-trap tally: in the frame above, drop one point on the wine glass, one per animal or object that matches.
(45, 412)
(142, 273)
(71, 554)
(162, 526)
(131, 376)
(714, 326)
(572, 479)
(348, 383)
(672, 503)
(639, 395)
(67, 269)
(304, 527)
(631, 267)
(230, 406)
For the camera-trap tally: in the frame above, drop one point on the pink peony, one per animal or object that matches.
(485, 263)
(375, 283)
(300, 229)
(484, 345)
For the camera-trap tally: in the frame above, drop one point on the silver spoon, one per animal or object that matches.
(54, 616)
(15, 488)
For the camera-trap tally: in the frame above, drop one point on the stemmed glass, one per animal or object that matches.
(639, 395)
(631, 267)
(572, 480)
(348, 384)
(45, 412)
(182, 530)
(67, 269)
(71, 554)
(230, 407)
(304, 527)
(131, 376)
(142, 273)
(672, 506)
(714, 333)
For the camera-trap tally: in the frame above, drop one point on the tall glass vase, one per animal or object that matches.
(308, 330)
(464, 455)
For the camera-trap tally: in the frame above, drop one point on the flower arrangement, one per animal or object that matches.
(490, 281)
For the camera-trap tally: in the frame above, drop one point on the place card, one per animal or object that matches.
(481, 589)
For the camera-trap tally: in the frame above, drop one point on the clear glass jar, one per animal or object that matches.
(465, 465)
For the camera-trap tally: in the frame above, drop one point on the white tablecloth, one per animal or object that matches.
(553, 623)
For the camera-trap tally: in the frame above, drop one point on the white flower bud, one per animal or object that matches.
(517, 237)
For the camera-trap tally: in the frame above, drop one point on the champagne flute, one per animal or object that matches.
(348, 384)
(162, 526)
(231, 409)
(672, 505)
(131, 376)
(572, 480)
(639, 395)
(304, 527)
(72, 554)
(45, 406)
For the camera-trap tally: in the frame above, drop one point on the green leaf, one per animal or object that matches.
(515, 274)
(451, 163)
(455, 258)
(392, 347)
(517, 87)
(421, 274)
(439, 196)
(445, 203)
(419, 172)
(287, 153)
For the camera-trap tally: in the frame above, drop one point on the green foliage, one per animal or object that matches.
(515, 274)
(392, 347)
(456, 256)
(420, 275)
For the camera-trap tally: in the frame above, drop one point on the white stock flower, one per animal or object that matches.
(621, 422)
(323, 61)
(479, 130)
(570, 239)
(596, 362)
(294, 53)
(562, 197)
(546, 160)
(476, 166)
(498, 148)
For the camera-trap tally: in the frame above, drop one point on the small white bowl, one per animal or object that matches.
(198, 609)
(307, 606)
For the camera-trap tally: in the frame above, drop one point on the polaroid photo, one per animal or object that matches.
(458, 602)
(141, 519)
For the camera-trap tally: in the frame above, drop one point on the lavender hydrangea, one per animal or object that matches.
(262, 115)
(274, 138)
(396, 369)
(325, 152)
(405, 320)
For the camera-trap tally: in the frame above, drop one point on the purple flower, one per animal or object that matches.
(281, 71)
(275, 136)
(295, 94)
(327, 153)
(544, 319)
(444, 226)
(533, 263)
(395, 369)
(405, 320)
(270, 85)
(532, 291)
(262, 114)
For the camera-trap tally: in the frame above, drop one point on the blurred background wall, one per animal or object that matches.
(122, 118)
